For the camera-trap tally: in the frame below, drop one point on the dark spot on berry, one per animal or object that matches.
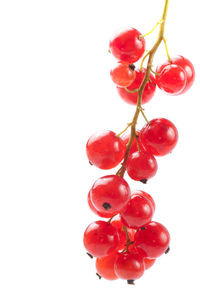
(143, 228)
(106, 206)
(144, 181)
(131, 281)
(168, 249)
(98, 275)
(132, 67)
(91, 256)
(90, 163)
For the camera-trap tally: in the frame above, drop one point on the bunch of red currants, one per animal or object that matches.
(129, 242)
(175, 76)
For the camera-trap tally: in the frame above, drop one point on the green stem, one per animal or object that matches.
(143, 114)
(158, 23)
(167, 51)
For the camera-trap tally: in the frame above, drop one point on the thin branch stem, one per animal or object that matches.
(138, 144)
(157, 74)
(158, 23)
(151, 54)
(143, 114)
(166, 48)
(131, 91)
(143, 59)
(128, 126)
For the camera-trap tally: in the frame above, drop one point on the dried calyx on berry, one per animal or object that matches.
(132, 67)
(99, 276)
(106, 206)
(90, 255)
(144, 181)
(131, 281)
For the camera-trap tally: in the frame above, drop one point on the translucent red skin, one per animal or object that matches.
(105, 266)
(127, 46)
(129, 266)
(148, 93)
(153, 240)
(141, 166)
(110, 189)
(138, 212)
(186, 65)
(105, 150)
(159, 137)
(118, 224)
(95, 211)
(122, 75)
(172, 79)
(148, 263)
(134, 148)
(100, 238)
(145, 194)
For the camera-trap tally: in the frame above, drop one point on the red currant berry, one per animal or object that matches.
(105, 150)
(172, 79)
(110, 194)
(138, 212)
(149, 90)
(145, 194)
(127, 45)
(129, 266)
(94, 210)
(135, 250)
(159, 137)
(141, 166)
(148, 263)
(188, 68)
(153, 239)
(186, 65)
(134, 147)
(100, 238)
(119, 225)
(105, 266)
(123, 74)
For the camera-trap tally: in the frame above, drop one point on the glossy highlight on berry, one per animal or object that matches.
(100, 238)
(159, 137)
(141, 165)
(172, 79)
(127, 46)
(138, 211)
(145, 194)
(153, 240)
(105, 150)
(123, 74)
(129, 266)
(186, 65)
(110, 194)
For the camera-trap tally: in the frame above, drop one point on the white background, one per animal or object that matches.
(55, 91)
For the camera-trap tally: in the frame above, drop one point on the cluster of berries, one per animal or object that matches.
(175, 76)
(129, 242)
